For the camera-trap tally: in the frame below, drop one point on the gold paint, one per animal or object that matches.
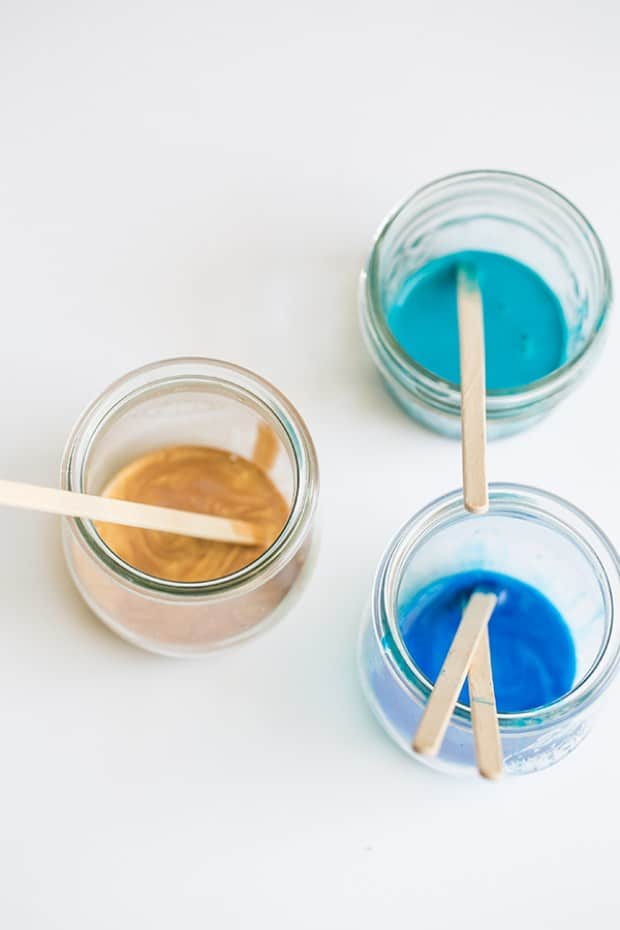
(203, 480)
(265, 447)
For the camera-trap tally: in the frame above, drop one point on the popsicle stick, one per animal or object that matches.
(473, 392)
(451, 678)
(128, 513)
(484, 711)
(476, 499)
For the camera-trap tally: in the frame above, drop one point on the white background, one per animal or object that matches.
(205, 178)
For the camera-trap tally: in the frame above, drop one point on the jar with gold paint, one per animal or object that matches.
(202, 435)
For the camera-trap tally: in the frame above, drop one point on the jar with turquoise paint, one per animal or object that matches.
(537, 539)
(546, 290)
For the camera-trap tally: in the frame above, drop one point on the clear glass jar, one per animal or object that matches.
(190, 401)
(494, 211)
(533, 536)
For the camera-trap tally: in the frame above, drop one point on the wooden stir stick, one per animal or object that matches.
(473, 392)
(470, 650)
(443, 697)
(483, 710)
(476, 499)
(129, 513)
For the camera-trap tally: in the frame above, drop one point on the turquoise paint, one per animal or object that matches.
(532, 650)
(525, 329)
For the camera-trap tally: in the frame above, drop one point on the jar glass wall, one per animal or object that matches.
(537, 538)
(191, 401)
(498, 212)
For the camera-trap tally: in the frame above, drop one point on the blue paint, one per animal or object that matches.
(532, 650)
(525, 328)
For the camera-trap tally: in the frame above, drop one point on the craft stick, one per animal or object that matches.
(128, 513)
(473, 393)
(476, 498)
(484, 711)
(452, 675)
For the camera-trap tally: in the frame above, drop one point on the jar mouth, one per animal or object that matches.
(517, 501)
(446, 394)
(239, 383)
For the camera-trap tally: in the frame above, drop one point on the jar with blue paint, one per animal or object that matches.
(554, 634)
(546, 290)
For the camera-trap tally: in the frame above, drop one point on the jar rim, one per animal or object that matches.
(246, 385)
(444, 393)
(523, 499)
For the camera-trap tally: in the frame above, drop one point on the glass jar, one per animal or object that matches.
(500, 212)
(191, 401)
(537, 538)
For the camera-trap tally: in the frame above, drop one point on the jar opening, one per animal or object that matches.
(201, 402)
(484, 208)
(540, 517)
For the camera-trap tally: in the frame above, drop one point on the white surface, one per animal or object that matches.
(205, 178)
